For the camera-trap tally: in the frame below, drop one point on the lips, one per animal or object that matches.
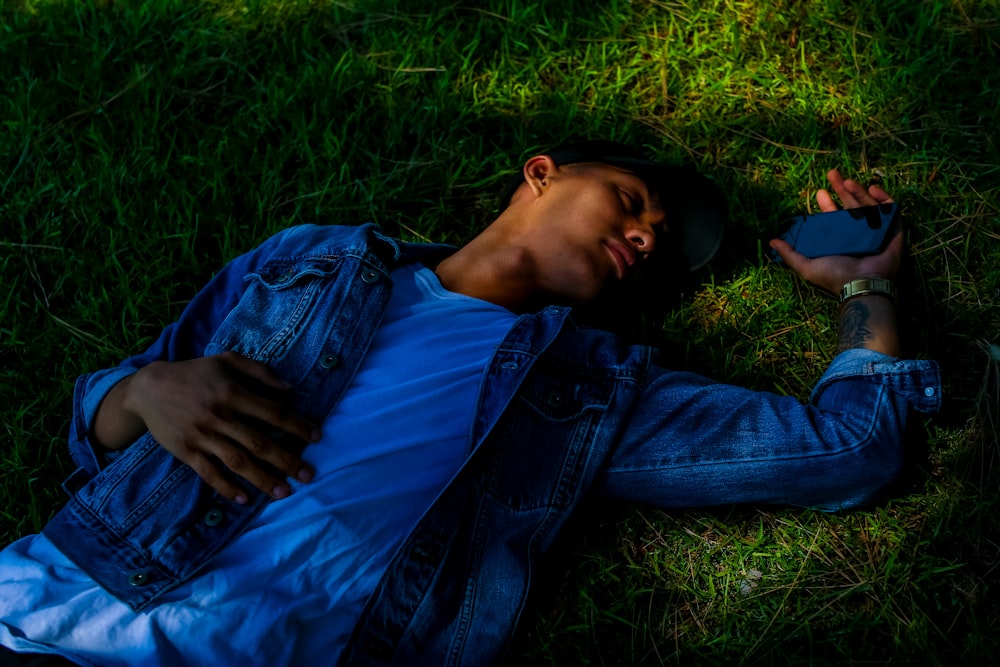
(622, 255)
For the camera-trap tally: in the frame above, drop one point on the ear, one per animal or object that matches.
(538, 172)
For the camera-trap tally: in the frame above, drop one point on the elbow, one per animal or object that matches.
(867, 480)
(868, 457)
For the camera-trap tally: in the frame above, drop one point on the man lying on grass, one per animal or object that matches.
(353, 448)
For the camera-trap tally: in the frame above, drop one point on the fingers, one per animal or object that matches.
(258, 440)
(246, 402)
(211, 450)
(244, 461)
(879, 194)
(825, 201)
(209, 472)
(242, 435)
(243, 450)
(210, 414)
(254, 369)
(851, 193)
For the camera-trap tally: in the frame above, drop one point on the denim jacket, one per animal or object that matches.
(563, 411)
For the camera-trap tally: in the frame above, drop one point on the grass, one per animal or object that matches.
(145, 143)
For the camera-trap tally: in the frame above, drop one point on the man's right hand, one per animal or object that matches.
(202, 411)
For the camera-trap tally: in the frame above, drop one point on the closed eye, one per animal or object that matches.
(632, 204)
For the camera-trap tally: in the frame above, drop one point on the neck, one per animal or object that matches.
(493, 267)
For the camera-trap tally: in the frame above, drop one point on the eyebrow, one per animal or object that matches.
(651, 199)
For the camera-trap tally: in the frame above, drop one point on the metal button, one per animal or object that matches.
(929, 391)
(555, 399)
(286, 276)
(510, 365)
(329, 360)
(369, 275)
(214, 517)
(138, 578)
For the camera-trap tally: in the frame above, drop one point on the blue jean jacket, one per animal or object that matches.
(562, 412)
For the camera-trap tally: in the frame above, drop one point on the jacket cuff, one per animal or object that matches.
(915, 380)
(90, 391)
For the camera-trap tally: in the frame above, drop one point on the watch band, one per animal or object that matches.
(866, 286)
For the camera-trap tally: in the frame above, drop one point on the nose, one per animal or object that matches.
(642, 238)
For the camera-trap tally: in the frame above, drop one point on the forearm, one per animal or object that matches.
(869, 322)
(114, 426)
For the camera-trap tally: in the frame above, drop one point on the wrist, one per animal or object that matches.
(868, 286)
(115, 424)
(134, 388)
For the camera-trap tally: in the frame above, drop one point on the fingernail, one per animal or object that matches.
(304, 475)
(240, 499)
(280, 491)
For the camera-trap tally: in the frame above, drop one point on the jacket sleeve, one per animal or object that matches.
(691, 442)
(184, 339)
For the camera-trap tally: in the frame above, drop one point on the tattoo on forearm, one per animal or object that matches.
(854, 331)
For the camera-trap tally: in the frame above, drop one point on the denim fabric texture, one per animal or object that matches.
(562, 412)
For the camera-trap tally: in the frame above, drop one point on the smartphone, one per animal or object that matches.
(866, 230)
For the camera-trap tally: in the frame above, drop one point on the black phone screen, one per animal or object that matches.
(866, 230)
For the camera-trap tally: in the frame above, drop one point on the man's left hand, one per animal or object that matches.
(831, 273)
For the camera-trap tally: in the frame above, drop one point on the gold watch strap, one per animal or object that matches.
(866, 286)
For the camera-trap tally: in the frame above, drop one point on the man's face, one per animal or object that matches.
(596, 223)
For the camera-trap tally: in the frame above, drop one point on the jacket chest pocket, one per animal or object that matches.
(540, 449)
(275, 310)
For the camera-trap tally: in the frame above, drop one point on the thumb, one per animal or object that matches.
(795, 260)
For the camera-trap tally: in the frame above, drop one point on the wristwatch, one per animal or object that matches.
(866, 286)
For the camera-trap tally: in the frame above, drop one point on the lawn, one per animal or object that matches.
(145, 143)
